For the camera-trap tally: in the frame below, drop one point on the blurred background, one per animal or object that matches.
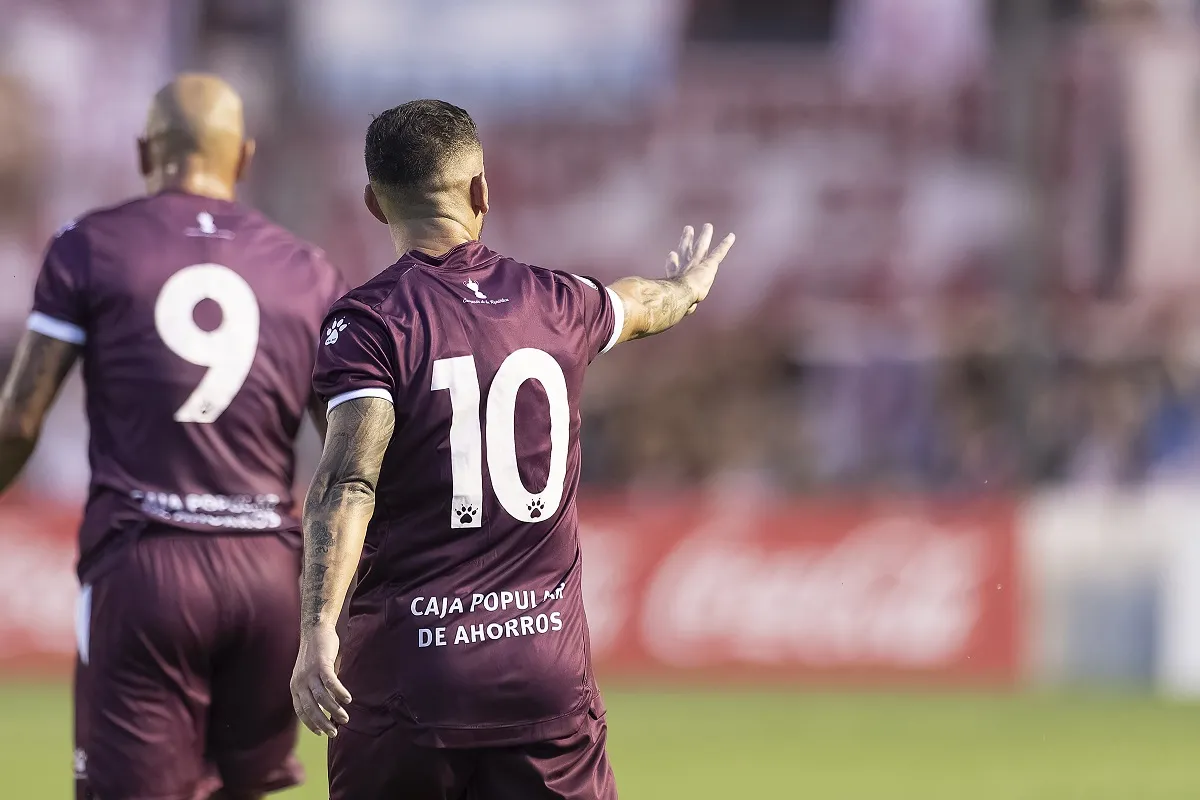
(923, 467)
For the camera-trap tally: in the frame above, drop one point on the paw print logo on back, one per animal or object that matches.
(465, 513)
(335, 330)
(536, 506)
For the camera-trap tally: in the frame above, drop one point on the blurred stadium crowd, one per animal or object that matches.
(931, 289)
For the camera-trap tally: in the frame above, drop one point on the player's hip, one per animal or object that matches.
(162, 582)
(571, 764)
(462, 684)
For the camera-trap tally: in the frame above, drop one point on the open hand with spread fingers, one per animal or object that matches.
(694, 263)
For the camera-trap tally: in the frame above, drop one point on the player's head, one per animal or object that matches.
(195, 137)
(424, 161)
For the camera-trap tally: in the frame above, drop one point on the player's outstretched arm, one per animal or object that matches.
(339, 505)
(652, 306)
(38, 370)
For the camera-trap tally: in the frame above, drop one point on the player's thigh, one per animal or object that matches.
(387, 765)
(252, 727)
(141, 682)
(573, 768)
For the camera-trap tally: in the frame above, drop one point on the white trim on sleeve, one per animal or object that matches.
(618, 319)
(586, 281)
(47, 325)
(345, 397)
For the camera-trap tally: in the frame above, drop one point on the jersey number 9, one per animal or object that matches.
(227, 351)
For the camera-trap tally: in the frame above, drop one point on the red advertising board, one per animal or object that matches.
(37, 586)
(811, 590)
(707, 588)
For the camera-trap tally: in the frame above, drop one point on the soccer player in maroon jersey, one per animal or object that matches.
(197, 322)
(453, 382)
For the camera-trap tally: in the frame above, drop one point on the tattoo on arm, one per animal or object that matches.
(339, 505)
(37, 373)
(652, 306)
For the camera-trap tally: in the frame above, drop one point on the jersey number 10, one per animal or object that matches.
(458, 375)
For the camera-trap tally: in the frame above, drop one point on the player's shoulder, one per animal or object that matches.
(556, 278)
(73, 240)
(263, 227)
(381, 291)
(80, 225)
(306, 266)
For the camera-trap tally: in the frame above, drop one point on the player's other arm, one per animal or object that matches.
(337, 287)
(653, 305)
(316, 410)
(38, 370)
(339, 505)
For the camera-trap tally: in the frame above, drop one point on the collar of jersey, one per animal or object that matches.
(460, 258)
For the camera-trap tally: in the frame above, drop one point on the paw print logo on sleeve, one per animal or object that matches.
(334, 330)
(536, 507)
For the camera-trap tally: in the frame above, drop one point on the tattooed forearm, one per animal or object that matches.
(38, 370)
(339, 505)
(653, 306)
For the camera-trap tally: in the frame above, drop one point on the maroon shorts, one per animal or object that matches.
(385, 766)
(186, 648)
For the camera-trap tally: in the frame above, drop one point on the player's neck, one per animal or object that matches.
(201, 184)
(434, 236)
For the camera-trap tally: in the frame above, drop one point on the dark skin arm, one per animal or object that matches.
(339, 505)
(37, 373)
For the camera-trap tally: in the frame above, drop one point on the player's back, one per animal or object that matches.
(198, 319)
(472, 562)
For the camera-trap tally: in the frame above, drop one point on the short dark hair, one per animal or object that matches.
(408, 145)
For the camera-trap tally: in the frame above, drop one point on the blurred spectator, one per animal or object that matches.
(867, 332)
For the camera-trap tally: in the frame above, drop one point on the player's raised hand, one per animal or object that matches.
(694, 263)
(318, 696)
(653, 306)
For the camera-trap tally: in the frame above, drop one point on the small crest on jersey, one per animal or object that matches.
(206, 225)
(80, 764)
(474, 287)
(335, 330)
(480, 298)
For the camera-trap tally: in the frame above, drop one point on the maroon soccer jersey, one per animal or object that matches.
(468, 621)
(198, 320)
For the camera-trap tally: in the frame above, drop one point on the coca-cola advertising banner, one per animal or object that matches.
(811, 590)
(710, 589)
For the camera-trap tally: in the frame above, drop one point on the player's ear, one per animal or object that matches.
(247, 156)
(479, 194)
(145, 167)
(372, 203)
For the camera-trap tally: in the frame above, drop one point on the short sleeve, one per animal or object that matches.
(603, 315)
(354, 357)
(60, 296)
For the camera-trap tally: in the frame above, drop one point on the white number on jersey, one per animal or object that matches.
(458, 375)
(228, 351)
